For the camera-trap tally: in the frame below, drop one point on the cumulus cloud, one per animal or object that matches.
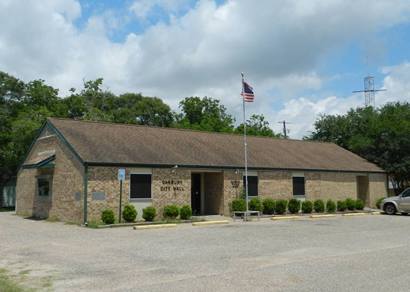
(144, 8)
(200, 52)
(302, 112)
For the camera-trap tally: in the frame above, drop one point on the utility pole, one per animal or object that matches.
(285, 131)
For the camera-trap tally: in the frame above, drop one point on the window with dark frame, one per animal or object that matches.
(43, 186)
(253, 185)
(298, 186)
(140, 186)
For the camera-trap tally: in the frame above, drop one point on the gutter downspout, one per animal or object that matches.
(85, 183)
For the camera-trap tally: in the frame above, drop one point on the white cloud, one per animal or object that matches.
(302, 112)
(144, 8)
(201, 52)
(397, 83)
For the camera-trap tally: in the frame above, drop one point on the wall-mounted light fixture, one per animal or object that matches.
(174, 168)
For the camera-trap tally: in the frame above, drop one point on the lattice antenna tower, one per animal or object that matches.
(369, 90)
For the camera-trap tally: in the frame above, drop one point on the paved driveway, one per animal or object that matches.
(368, 253)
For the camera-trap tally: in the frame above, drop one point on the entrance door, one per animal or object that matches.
(196, 193)
(363, 189)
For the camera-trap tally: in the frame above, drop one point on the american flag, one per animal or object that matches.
(247, 92)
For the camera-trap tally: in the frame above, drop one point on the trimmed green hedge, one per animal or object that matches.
(294, 206)
(307, 207)
(350, 204)
(185, 212)
(280, 206)
(330, 206)
(319, 206)
(255, 204)
(107, 216)
(129, 213)
(268, 206)
(238, 205)
(171, 211)
(341, 206)
(359, 204)
(149, 213)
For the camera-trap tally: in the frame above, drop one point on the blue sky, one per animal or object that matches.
(304, 58)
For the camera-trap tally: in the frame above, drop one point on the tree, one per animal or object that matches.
(204, 114)
(135, 108)
(381, 136)
(257, 126)
(23, 109)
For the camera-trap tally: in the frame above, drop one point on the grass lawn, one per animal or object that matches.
(7, 284)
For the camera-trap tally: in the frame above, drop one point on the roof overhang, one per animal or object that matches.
(47, 162)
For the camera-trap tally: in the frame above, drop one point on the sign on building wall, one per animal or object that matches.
(121, 174)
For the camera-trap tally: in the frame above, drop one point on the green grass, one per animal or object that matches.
(7, 284)
(6, 209)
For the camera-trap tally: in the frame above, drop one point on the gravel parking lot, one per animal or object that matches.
(367, 253)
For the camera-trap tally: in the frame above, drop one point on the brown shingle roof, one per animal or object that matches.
(97, 142)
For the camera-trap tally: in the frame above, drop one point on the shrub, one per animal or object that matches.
(319, 206)
(359, 204)
(149, 213)
(280, 206)
(379, 202)
(255, 204)
(294, 206)
(185, 212)
(129, 213)
(341, 206)
(238, 205)
(268, 206)
(307, 207)
(107, 216)
(171, 211)
(350, 204)
(330, 206)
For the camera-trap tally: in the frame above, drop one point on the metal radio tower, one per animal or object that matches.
(369, 91)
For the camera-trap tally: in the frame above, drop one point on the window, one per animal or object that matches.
(406, 193)
(140, 186)
(43, 186)
(253, 185)
(298, 186)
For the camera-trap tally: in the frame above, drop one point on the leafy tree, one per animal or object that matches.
(135, 108)
(24, 107)
(204, 114)
(379, 135)
(257, 126)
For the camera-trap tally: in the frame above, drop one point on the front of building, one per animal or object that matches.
(71, 171)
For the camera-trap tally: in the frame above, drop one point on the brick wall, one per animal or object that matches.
(318, 185)
(66, 180)
(377, 187)
(168, 187)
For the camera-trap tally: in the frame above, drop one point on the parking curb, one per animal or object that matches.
(354, 214)
(205, 223)
(285, 218)
(376, 213)
(154, 226)
(323, 216)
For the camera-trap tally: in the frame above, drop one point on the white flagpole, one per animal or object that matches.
(246, 152)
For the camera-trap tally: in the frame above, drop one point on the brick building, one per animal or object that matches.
(71, 171)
